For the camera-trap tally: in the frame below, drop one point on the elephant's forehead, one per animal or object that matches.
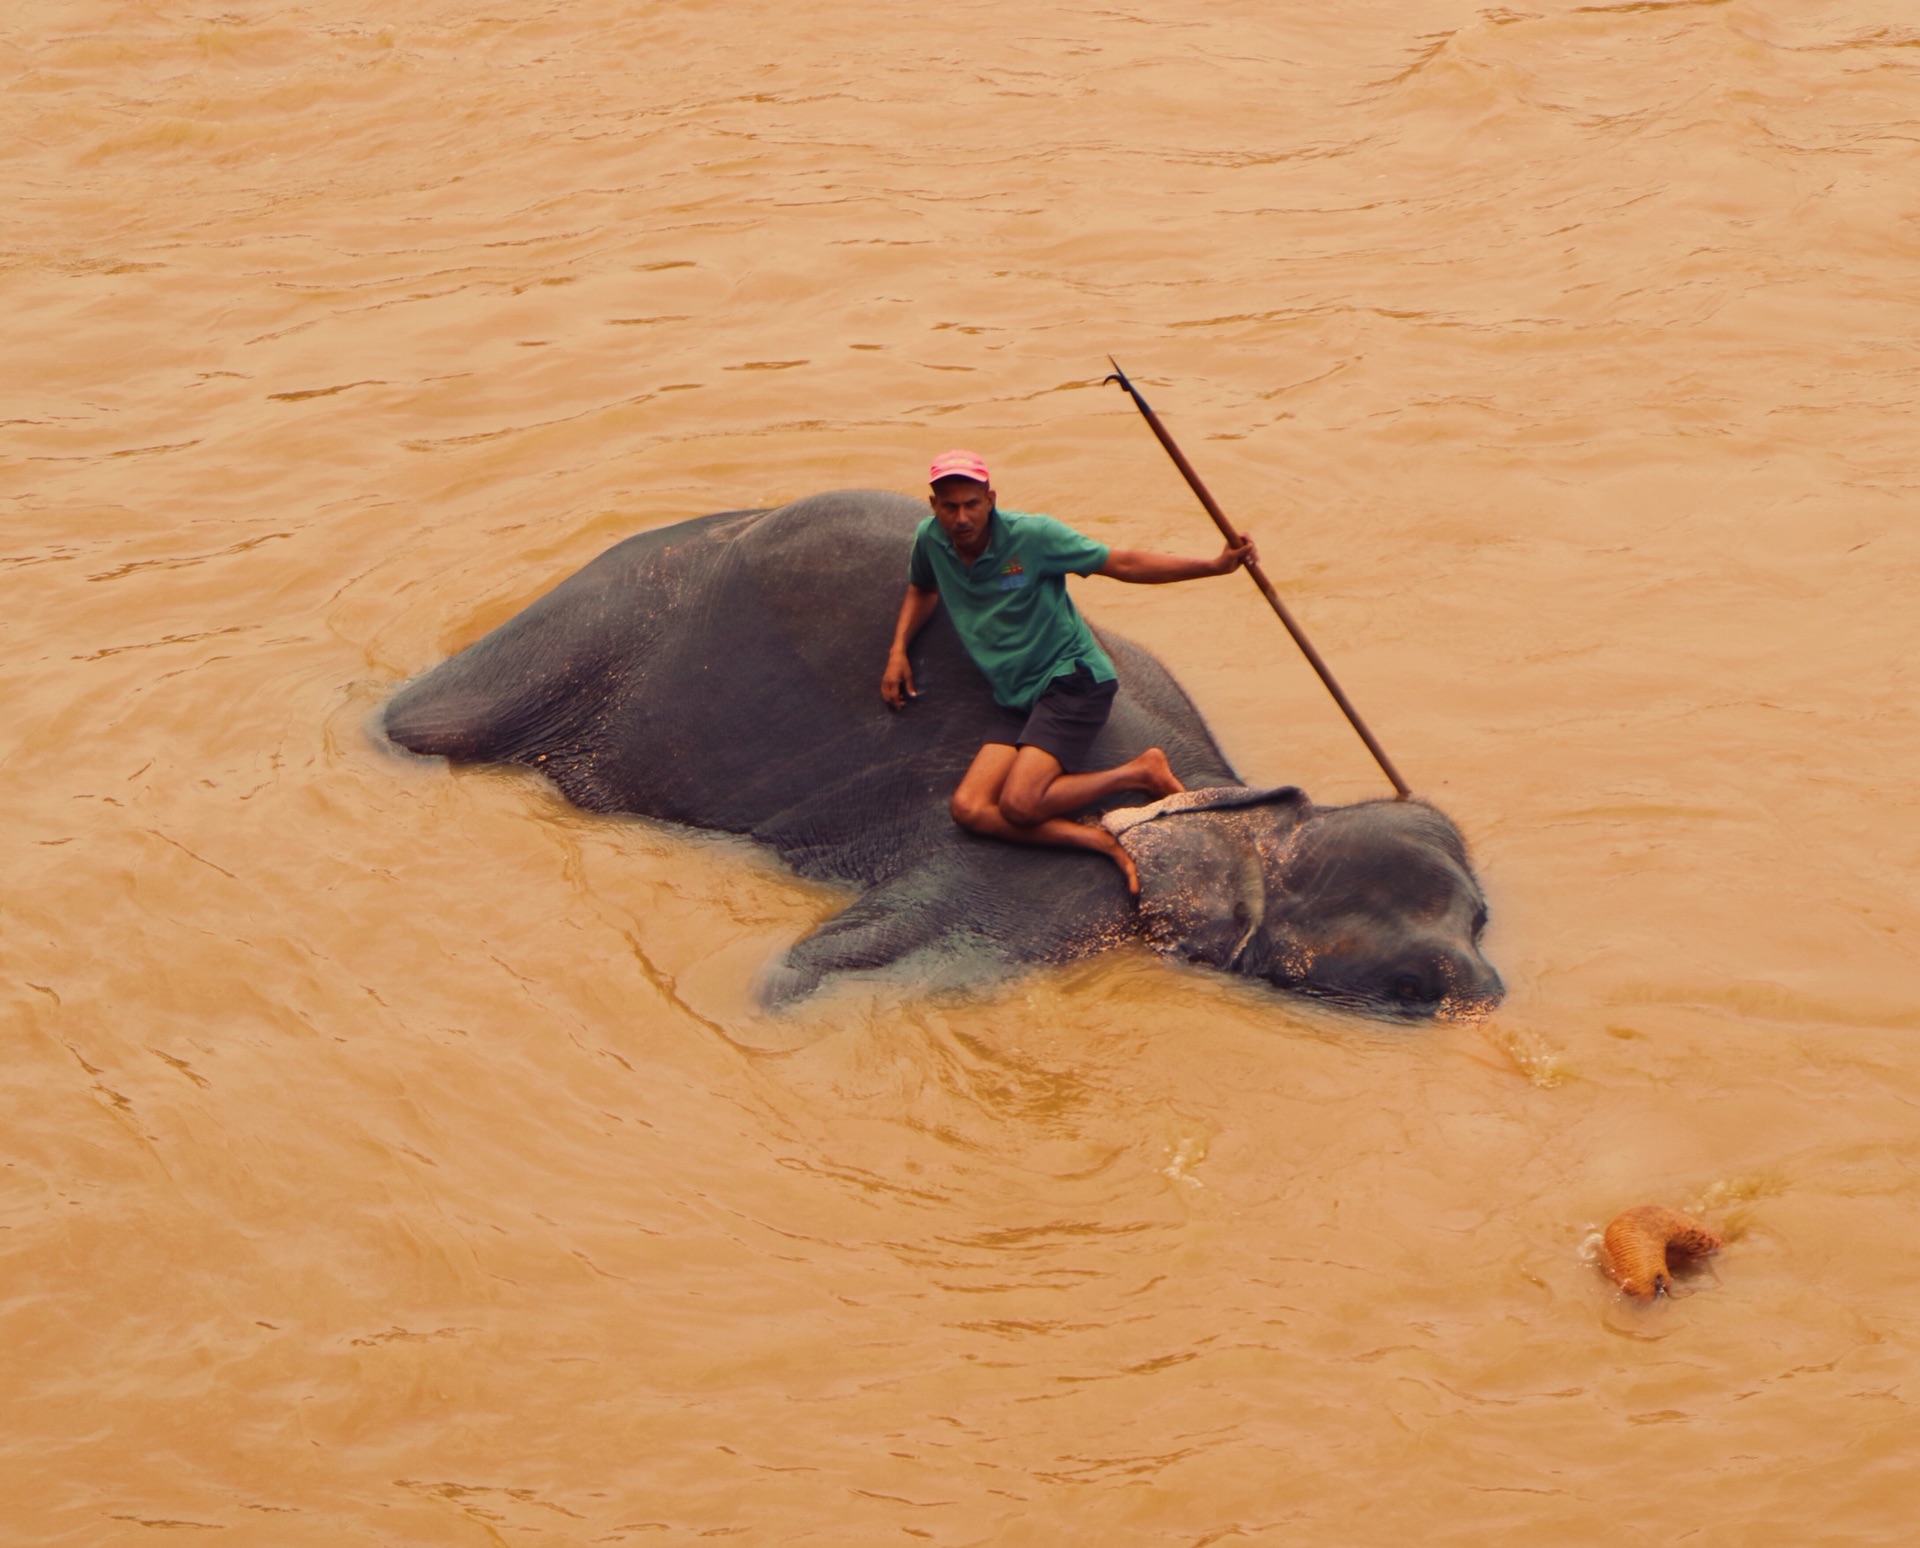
(1380, 869)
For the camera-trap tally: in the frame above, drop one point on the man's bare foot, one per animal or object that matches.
(1158, 773)
(1115, 851)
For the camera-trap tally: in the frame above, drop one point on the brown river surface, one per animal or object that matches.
(393, 1155)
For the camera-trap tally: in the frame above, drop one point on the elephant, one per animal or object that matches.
(723, 673)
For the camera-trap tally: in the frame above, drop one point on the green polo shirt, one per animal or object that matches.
(1011, 604)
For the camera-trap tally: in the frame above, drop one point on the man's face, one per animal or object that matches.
(963, 508)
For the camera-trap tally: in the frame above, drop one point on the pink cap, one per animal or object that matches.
(958, 464)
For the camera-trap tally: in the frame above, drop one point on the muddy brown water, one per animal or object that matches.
(392, 1155)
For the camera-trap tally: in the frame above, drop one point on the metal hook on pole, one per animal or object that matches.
(1259, 579)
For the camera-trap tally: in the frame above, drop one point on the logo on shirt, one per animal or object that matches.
(1013, 576)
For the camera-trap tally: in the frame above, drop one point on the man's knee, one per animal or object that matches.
(972, 811)
(1022, 806)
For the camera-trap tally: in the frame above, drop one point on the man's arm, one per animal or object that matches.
(896, 685)
(1145, 569)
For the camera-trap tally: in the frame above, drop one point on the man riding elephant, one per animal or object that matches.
(699, 673)
(1002, 575)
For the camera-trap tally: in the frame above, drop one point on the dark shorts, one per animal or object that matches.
(1065, 718)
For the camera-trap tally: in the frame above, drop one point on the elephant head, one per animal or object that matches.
(1373, 907)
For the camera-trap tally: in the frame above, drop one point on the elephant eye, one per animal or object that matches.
(1408, 989)
(1479, 920)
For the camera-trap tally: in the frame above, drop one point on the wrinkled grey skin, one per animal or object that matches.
(724, 673)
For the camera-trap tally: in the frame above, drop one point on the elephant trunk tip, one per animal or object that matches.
(1474, 998)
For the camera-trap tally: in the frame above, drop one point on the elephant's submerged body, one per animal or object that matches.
(722, 673)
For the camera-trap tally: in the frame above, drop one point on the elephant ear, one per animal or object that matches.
(1203, 860)
(1211, 799)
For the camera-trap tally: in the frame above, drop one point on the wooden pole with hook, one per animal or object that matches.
(1259, 579)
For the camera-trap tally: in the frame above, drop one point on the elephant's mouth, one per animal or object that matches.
(1405, 996)
(1379, 1007)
